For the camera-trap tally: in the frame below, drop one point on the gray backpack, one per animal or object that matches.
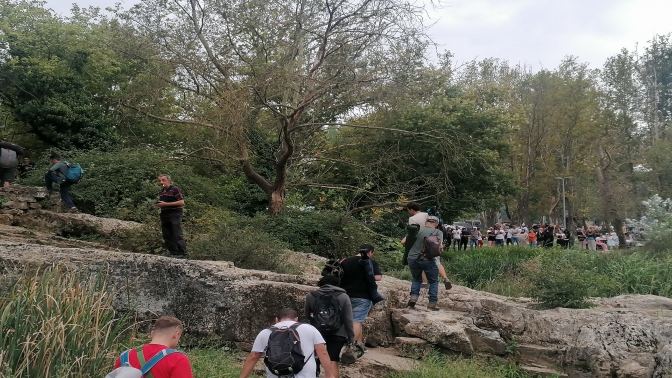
(8, 158)
(125, 370)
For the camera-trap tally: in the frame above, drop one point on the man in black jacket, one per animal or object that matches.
(9, 153)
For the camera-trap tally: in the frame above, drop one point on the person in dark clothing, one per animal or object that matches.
(547, 236)
(57, 175)
(357, 285)
(25, 167)
(8, 161)
(464, 239)
(171, 203)
(346, 334)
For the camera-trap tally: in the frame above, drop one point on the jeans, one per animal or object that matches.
(515, 240)
(592, 244)
(499, 242)
(171, 228)
(533, 244)
(473, 243)
(64, 188)
(431, 271)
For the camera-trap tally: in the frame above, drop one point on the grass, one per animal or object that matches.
(56, 325)
(437, 365)
(215, 362)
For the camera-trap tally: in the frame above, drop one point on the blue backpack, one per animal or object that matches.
(75, 173)
(125, 370)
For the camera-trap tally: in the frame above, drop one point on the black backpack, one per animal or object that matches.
(327, 316)
(333, 268)
(283, 353)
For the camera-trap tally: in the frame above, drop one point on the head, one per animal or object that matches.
(287, 314)
(413, 208)
(432, 221)
(365, 251)
(54, 159)
(167, 331)
(26, 160)
(328, 280)
(164, 181)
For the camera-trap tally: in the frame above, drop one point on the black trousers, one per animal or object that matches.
(171, 228)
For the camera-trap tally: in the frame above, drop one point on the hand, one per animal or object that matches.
(159, 204)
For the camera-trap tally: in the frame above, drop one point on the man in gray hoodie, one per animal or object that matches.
(335, 338)
(57, 175)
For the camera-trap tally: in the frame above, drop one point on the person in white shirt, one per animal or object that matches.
(515, 235)
(500, 235)
(312, 344)
(417, 216)
(457, 234)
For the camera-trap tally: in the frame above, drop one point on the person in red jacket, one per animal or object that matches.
(165, 335)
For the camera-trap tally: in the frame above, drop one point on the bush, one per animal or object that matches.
(656, 224)
(55, 325)
(481, 266)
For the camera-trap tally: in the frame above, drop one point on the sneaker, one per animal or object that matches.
(433, 306)
(447, 283)
(74, 210)
(424, 286)
(348, 357)
(360, 349)
(181, 257)
(412, 302)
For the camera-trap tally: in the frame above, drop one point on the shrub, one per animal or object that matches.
(54, 325)
(656, 223)
(482, 265)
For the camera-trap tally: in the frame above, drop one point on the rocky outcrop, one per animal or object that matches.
(17, 200)
(74, 224)
(629, 336)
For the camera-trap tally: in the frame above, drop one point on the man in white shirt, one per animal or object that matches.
(417, 216)
(312, 343)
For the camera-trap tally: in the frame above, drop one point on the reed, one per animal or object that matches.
(56, 324)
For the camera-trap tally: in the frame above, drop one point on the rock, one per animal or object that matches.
(412, 347)
(6, 219)
(75, 224)
(15, 205)
(224, 304)
(376, 363)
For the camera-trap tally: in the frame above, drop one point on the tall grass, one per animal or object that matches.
(482, 265)
(436, 365)
(56, 325)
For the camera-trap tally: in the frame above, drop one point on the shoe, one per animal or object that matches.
(447, 283)
(433, 306)
(73, 210)
(348, 357)
(424, 286)
(359, 350)
(412, 302)
(362, 347)
(180, 257)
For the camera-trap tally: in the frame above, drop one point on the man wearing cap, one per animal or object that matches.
(418, 265)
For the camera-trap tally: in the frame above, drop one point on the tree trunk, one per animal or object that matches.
(604, 180)
(276, 202)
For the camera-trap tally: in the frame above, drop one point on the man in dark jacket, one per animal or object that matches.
(8, 161)
(356, 282)
(57, 175)
(346, 334)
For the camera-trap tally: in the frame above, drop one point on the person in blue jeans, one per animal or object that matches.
(57, 175)
(419, 264)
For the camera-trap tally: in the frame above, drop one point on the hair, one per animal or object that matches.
(413, 206)
(287, 313)
(328, 280)
(166, 176)
(55, 157)
(167, 322)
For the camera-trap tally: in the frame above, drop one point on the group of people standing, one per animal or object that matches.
(543, 235)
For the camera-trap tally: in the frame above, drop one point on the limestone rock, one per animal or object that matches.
(15, 205)
(75, 224)
(412, 347)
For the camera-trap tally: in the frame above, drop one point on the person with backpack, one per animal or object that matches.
(58, 174)
(281, 361)
(330, 312)
(427, 246)
(158, 358)
(360, 273)
(9, 160)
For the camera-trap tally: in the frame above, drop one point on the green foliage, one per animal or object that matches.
(482, 265)
(436, 365)
(558, 283)
(325, 233)
(216, 363)
(55, 325)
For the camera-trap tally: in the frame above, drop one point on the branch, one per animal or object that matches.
(365, 127)
(178, 121)
(386, 204)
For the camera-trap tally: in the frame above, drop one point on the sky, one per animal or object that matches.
(538, 33)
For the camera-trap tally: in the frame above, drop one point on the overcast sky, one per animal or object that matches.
(538, 33)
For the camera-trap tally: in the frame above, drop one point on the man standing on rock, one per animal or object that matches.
(8, 161)
(171, 203)
(311, 343)
(357, 284)
(419, 264)
(57, 174)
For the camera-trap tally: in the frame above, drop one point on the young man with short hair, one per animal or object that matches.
(165, 335)
(171, 203)
(312, 344)
(419, 264)
(57, 174)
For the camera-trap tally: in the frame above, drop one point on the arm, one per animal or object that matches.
(162, 204)
(325, 361)
(403, 241)
(307, 307)
(347, 317)
(377, 273)
(254, 357)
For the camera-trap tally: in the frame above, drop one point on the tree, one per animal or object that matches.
(281, 70)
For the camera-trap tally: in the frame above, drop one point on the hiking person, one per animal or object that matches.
(9, 153)
(58, 174)
(418, 264)
(25, 167)
(171, 203)
(287, 329)
(360, 273)
(171, 363)
(330, 312)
